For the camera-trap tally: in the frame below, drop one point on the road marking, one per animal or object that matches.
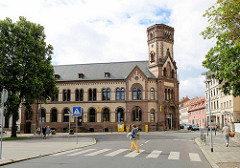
(97, 152)
(133, 154)
(194, 157)
(116, 152)
(154, 154)
(63, 153)
(174, 156)
(81, 152)
(147, 141)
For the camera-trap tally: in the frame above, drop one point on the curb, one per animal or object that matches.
(211, 162)
(10, 161)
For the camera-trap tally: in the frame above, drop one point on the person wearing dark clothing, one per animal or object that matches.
(44, 132)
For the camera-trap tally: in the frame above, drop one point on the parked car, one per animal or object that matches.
(213, 126)
(189, 126)
(182, 126)
(195, 127)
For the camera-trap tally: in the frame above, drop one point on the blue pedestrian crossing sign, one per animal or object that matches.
(77, 111)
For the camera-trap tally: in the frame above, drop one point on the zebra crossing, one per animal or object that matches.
(194, 157)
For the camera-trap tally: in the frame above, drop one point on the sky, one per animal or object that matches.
(98, 31)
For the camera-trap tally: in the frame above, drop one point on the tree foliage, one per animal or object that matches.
(25, 65)
(224, 57)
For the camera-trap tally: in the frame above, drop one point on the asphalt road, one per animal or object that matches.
(157, 150)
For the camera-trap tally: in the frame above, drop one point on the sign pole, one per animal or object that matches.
(77, 129)
(77, 111)
(3, 100)
(2, 109)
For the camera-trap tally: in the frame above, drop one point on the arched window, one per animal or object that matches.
(108, 94)
(172, 97)
(68, 95)
(134, 94)
(165, 94)
(55, 97)
(117, 94)
(137, 114)
(168, 94)
(151, 36)
(152, 115)
(152, 57)
(120, 115)
(43, 115)
(172, 74)
(81, 95)
(94, 94)
(152, 94)
(66, 115)
(92, 115)
(77, 98)
(122, 94)
(104, 94)
(90, 97)
(54, 115)
(164, 72)
(106, 115)
(139, 94)
(64, 95)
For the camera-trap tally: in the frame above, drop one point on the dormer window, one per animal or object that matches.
(80, 75)
(107, 75)
(57, 76)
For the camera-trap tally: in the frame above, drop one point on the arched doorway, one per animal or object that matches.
(137, 114)
(120, 115)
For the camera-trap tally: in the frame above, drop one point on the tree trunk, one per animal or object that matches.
(12, 108)
(14, 125)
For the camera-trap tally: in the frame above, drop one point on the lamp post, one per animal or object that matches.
(208, 80)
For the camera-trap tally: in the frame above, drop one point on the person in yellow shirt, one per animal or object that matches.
(134, 139)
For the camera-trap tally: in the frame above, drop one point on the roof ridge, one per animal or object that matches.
(101, 63)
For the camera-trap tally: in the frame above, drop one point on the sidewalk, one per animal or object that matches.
(222, 156)
(36, 146)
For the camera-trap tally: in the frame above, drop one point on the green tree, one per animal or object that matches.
(224, 57)
(25, 65)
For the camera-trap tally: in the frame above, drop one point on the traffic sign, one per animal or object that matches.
(77, 111)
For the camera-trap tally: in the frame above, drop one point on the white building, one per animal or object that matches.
(224, 108)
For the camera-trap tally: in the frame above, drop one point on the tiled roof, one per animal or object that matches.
(96, 71)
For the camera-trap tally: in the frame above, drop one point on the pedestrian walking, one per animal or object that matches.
(134, 139)
(44, 132)
(48, 130)
(226, 131)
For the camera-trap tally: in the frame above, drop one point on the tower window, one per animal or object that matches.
(164, 72)
(152, 57)
(151, 36)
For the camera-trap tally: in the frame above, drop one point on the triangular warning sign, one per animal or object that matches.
(76, 112)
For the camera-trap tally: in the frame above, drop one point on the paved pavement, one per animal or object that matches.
(222, 156)
(36, 146)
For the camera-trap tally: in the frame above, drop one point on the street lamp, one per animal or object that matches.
(208, 80)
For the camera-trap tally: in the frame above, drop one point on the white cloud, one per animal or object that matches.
(87, 31)
(191, 86)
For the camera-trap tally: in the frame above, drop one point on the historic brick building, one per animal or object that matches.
(140, 92)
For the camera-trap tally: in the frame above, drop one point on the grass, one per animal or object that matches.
(14, 138)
